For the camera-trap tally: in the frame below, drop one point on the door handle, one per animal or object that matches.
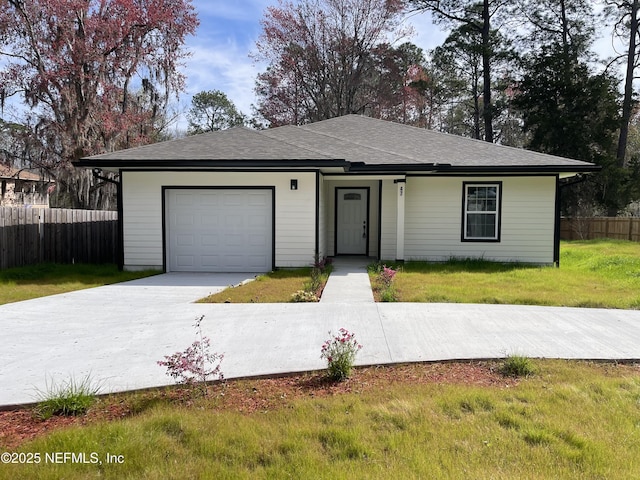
(364, 229)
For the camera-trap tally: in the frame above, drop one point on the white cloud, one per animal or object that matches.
(226, 67)
(220, 51)
(227, 35)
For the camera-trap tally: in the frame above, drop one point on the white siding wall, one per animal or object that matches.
(389, 217)
(142, 212)
(434, 220)
(330, 202)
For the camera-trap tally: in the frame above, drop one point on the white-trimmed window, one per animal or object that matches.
(481, 211)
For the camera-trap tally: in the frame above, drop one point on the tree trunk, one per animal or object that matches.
(627, 103)
(487, 111)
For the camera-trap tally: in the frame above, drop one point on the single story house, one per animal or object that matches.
(248, 201)
(23, 188)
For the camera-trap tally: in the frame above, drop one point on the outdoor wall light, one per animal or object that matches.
(294, 184)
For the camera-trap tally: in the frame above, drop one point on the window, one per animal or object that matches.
(481, 212)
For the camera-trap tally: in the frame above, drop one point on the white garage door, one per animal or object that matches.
(215, 230)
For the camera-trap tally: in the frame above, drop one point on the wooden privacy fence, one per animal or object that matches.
(588, 228)
(35, 235)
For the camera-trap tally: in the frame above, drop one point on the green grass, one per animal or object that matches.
(599, 273)
(24, 283)
(70, 398)
(273, 287)
(571, 420)
(517, 366)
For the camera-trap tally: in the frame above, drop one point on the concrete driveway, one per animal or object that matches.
(117, 333)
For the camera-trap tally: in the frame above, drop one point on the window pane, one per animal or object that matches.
(481, 225)
(482, 199)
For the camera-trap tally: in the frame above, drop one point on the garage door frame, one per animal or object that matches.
(165, 189)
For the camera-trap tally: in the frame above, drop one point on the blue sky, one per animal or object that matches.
(227, 35)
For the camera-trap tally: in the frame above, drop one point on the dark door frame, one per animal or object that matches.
(335, 229)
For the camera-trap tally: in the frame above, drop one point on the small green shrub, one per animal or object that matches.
(517, 366)
(70, 398)
(313, 287)
(389, 295)
(316, 281)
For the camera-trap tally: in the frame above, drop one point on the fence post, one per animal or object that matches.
(41, 234)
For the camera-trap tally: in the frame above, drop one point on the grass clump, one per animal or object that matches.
(69, 398)
(517, 366)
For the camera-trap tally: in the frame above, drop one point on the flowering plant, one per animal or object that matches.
(340, 352)
(386, 275)
(196, 363)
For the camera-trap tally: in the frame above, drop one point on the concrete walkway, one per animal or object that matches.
(348, 282)
(117, 333)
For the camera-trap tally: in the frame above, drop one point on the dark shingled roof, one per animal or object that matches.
(353, 142)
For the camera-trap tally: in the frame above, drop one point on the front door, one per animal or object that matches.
(352, 229)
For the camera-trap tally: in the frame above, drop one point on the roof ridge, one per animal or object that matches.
(431, 132)
(368, 147)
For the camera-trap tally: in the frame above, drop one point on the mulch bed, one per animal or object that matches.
(248, 396)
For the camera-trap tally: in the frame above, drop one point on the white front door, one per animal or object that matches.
(352, 229)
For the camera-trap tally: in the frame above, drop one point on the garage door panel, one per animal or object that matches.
(185, 220)
(257, 241)
(210, 261)
(235, 261)
(184, 199)
(209, 240)
(234, 241)
(185, 240)
(209, 199)
(256, 221)
(258, 199)
(208, 220)
(259, 262)
(234, 221)
(184, 261)
(219, 230)
(234, 199)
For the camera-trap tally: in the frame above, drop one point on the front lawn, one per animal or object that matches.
(273, 287)
(598, 273)
(438, 421)
(24, 283)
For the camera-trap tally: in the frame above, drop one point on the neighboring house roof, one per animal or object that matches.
(10, 173)
(354, 142)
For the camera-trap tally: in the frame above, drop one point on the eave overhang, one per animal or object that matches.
(445, 168)
(211, 164)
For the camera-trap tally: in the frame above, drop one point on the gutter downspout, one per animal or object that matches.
(120, 242)
(559, 186)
